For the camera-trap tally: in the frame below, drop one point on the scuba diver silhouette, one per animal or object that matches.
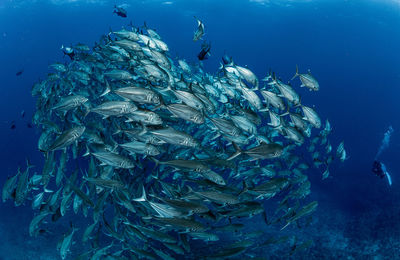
(378, 168)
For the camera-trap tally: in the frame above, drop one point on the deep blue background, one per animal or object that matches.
(351, 47)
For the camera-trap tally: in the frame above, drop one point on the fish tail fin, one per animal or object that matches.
(168, 88)
(28, 164)
(86, 105)
(107, 90)
(298, 104)
(143, 197)
(269, 76)
(157, 162)
(287, 224)
(296, 74)
(144, 129)
(190, 190)
(87, 153)
(237, 153)
(118, 130)
(287, 111)
(162, 103)
(389, 178)
(265, 217)
(245, 188)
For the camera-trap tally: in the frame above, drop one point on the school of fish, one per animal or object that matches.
(163, 158)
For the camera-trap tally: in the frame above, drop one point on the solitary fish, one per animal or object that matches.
(200, 30)
(19, 73)
(205, 51)
(120, 11)
(307, 80)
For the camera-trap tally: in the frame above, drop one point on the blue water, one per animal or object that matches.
(351, 47)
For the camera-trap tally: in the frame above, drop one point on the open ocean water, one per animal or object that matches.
(350, 46)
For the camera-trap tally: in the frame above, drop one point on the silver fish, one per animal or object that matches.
(67, 138)
(199, 31)
(307, 80)
(115, 160)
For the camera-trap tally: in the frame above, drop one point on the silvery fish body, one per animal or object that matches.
(67, 138)
(273, 99)
(307, 80)
(187, 113)
(118, 74)
(115, 160)
(184, 66)
(226, 126)
(248, 75)
(162, 46)
(252, 98)
(71, 102)
(244, 124)
(265, 151)
(144, 117)
(139, 95)
(172, 136)
(128, 45)
(311, 116)
(275, 119)
(300, 123)
(115, 108)
(288, 92)
(120, 50)
(141, 148)
(199, 32)
(9, 185)
(127, 35)
(66, 244)
(208, 103)
(59, 67)
(293, 134)
(189, 99)
(146, 40)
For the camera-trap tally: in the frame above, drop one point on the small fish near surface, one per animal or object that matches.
(198, 34)
(19, 73)
(13, 125)
(120, 11)
(68, 51)
(205, 51)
